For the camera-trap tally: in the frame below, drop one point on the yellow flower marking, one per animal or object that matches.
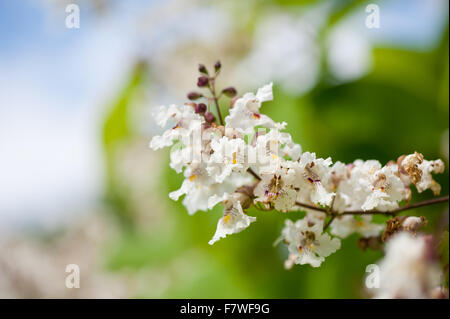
(234, 158)
(226, 219)
(192, 177)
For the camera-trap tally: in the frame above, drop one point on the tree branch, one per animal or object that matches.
(332, 213)
(394, 212)
(253, 174)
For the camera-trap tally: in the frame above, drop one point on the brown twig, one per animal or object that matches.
(213, 92)
(428, 202)
(253, 174)
(394, 212)
(377, 212)
(329, 222)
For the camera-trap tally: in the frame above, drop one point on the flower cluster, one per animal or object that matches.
(248, 159)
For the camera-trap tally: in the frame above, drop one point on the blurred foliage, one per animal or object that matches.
(117, 131)
(400, 107)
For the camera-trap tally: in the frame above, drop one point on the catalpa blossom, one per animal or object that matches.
(307, 243)
(233, 221)
(245, 114)
(248, 161)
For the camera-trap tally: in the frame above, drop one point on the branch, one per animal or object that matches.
(401, 209)
(329, 222)
(394, 212)
(377, 212)
(253, 174)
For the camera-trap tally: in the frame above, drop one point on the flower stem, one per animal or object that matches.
(329, 222)
(213, 92)
(253, 174)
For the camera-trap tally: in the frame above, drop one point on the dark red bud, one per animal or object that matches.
(200, 108)
(209, 117)
(217, 66)
(202, 81)
(194, 95)
(230, 92)
(202, 69)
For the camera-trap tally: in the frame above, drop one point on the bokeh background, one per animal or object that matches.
(78, 183)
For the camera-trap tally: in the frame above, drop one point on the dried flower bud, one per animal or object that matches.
(217, 66)
(411, 165)
(194, 96)
(200, 108)
(202, 69)
(192, 104)
(209, 117)
(393, 226)
(229, 91)
(202, 81)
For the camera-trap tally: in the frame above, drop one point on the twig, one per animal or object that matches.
(213, 92)
(332, 213)
(330, 209)
(329, 222)
(400, 209)
(377, 212)
(254, 174)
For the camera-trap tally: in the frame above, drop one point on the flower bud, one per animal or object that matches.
(209, 117)
(413, 223)
(229, 91)
(200, 108)
(217, 66)
(202, 81)
(202, 69)
(194, 95)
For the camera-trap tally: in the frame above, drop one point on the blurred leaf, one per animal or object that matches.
(116, 131)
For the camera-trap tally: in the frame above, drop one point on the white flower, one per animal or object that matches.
(427, 181)
(276, 187)
(345, 225)
(201, 191)
(406, 271)
(306, 242)
(272, 188)
(355, 185)
(271, 148)
(185, 119)
(387, 190)
(312, 174)
(228, 155)
(234, 220)
(244, 115)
